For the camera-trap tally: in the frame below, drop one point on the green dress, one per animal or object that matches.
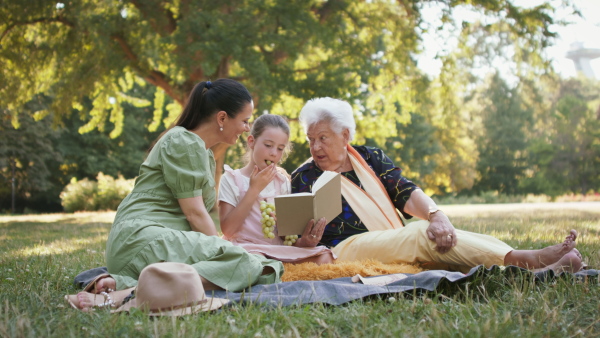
(150, 226)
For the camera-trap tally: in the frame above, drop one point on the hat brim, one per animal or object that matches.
(209, 305)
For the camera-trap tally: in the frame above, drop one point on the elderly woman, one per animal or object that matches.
(373, 190)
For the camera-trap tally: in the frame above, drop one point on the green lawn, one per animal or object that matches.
(40, 255)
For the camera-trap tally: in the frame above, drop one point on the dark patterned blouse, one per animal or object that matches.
(347, 223)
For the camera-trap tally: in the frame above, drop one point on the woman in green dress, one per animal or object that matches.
(166, 216)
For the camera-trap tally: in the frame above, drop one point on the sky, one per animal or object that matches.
(584, 29)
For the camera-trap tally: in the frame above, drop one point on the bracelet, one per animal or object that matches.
(431, 212)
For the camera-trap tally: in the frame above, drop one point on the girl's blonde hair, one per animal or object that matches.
(269, 121)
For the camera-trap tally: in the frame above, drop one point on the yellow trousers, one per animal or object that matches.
(410, 244)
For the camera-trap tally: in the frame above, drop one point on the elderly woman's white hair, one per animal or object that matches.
(336, 112)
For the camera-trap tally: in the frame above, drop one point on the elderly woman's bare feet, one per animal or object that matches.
(551, 254)
(570, 262)
(535, 259)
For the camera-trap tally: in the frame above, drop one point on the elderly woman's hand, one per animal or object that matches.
(442, 232)
(312, 233)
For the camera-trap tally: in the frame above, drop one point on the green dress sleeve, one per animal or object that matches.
(186, 165)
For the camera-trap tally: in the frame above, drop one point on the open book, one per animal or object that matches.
(294, 211)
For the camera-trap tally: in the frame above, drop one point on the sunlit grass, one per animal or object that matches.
(41, 254)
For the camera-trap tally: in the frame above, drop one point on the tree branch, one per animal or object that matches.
(330, 7)
(223, 68)
(306, 70)
(165, 25)
(157, 78)
(34, 21)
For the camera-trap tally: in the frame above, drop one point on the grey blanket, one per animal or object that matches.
(342, 290)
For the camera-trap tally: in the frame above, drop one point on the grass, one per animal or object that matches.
(40, 255)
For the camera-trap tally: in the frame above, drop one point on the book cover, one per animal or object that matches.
(294, 211)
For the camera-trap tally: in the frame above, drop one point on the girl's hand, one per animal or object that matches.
(312, 233)
(259, 179)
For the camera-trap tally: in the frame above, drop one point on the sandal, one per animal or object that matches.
(107, 301)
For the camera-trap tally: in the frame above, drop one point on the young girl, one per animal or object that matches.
(242, 190)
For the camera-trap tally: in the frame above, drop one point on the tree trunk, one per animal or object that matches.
(12, 183)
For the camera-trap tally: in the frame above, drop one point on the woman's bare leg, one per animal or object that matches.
(208, 285)
(535, 259)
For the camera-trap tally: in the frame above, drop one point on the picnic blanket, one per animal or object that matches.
(342, 290)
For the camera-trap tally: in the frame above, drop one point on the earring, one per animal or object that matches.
(221, 129)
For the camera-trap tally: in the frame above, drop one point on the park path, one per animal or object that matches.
(472, 209)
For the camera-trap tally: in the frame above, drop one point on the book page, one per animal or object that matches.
(325, 177)
(328, 198)
(296, 194)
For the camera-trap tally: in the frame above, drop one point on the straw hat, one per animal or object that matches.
(171, 289)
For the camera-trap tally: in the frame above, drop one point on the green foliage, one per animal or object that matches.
(104, 194)
(284, 50)
(47, 158)
(501, 141)
(414, 150)
(566, 157)
(84, 155)
(79, 195)
(28, 157)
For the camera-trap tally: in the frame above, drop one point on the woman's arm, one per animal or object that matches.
(196, 214)
(232, 217)
(417, 202)
(440, 229)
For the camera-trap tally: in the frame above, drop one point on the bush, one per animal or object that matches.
(104, 194)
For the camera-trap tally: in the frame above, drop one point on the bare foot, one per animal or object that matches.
(535, 259)
(570, 239)
(570, 262)
(106, 284)
(551, 254)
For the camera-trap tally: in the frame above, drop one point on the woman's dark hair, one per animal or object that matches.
(208, 98)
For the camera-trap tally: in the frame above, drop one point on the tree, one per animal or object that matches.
(285, 51)
(502, 140)
(27, 160)
(414, 150)
(575, 162)
(40, 160)
(84, 155)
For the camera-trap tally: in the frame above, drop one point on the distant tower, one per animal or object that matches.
(581, 57)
